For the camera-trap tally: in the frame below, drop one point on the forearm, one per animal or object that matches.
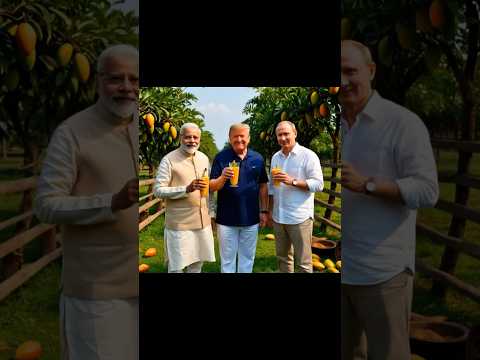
(218, 183)
(74, 210)
(387, 190)
(264, 197)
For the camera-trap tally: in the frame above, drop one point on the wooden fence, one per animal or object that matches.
(14, 271)
(146, 202)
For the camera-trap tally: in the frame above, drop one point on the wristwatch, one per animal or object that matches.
(294, 182)
(370, 186)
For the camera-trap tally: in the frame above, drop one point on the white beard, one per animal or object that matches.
(121, 111)
(190, 150)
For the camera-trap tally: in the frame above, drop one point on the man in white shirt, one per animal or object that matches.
(292, 201)
(388, 172)
(188, 233)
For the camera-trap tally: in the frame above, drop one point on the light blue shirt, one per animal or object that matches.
(292, 205)
(387, 141)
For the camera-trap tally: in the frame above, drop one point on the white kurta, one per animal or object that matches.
(182, 247)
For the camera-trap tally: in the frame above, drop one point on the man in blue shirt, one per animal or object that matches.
(240, 209)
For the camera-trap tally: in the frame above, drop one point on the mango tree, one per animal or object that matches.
(48, 52)
(163, 110)
(314, 111)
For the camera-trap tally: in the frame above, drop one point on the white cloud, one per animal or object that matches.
(214, 108)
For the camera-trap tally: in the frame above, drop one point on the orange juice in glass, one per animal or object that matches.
(204, 191)
(276, 170)
(236, 173)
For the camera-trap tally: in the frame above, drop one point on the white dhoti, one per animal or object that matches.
(99, 329)
(185, 247)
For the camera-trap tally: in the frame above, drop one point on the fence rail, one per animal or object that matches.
(15, 271)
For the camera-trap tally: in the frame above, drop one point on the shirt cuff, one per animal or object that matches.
(407, 188)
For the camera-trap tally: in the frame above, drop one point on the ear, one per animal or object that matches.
(373, 69)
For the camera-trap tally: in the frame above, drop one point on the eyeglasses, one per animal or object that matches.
(119, 79)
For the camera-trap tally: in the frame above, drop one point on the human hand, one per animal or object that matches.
(283, 177)
(227, 173)
(197, 184)
(352, 180)
(126, 197)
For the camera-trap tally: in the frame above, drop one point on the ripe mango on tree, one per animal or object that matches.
(323, 110)
(262, 135)
(173, 132)
(333, 90)
(166, 126)
(284, 116)
(26, 38)
(64, 54)
(405, 36)
(314, 97)
(82, 67)
(30, 60)
(437, 14)
(346, 29)
(385, 53)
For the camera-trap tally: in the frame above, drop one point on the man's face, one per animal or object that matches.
(118, 85)
(286, 136)
(356, 77)
(239, 139)
(190, 140)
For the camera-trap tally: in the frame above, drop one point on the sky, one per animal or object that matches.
(221, 107)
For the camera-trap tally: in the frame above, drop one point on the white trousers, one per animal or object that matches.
(238, 241)
(99, 329)
(192, 268)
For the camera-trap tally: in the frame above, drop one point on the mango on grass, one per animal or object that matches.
(29, 350)
(150, 252)
(270, 237)
(143, 267)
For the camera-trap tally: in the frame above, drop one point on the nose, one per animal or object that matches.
(126, 84)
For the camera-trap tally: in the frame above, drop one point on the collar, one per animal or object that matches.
(295, 150)
(372, 110)
(247, 155)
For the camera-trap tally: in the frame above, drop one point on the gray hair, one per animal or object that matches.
(364, 50)
(189, 126)
(239, 126)
(292, 125)
(120, 50)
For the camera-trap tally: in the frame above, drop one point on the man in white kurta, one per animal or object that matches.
(188, 233)
(89, 186)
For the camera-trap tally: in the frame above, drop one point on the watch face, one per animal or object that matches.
(370, 186)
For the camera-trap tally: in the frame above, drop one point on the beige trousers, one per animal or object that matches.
(294, 242)
(375, 319)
